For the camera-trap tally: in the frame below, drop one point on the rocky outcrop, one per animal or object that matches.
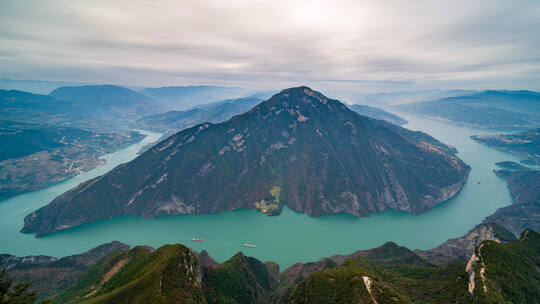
(506, 273)
(299, 149)
(461, 249)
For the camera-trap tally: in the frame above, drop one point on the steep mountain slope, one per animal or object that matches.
(495, 273)
(241, 279)
(498, 110)
(107, 101)
(461, 248)
(361, 281)
(51, 276)
(377, 113)
(506, 273)
(298, 148)
(170, 274)
(387, 254)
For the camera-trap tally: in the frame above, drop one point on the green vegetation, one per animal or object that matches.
(386, 274)
(16, 293)
(239, 280)
(391, 283)
(168, 275)
(512, 272)
(525, 144)
(283, 151)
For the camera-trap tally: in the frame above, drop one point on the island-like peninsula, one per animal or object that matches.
(299, 149)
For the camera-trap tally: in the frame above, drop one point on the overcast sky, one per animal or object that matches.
(362, 45)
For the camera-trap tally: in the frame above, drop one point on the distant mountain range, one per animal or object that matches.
(174, 121)
(377, 113)
(47, 138)
(496, 110)
(525, 144)
(34, 156)
(389, 99)
(185, 97)
(107, 101)
(298, 148)
(26, 107)
(43, 87)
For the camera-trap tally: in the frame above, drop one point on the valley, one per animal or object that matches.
(293, 139)
(224, 233)
(36, 156)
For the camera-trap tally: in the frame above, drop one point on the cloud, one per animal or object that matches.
(268, 44)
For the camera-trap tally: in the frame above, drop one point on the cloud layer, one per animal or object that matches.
(363, 45)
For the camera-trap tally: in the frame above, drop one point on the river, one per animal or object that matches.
(285, 239)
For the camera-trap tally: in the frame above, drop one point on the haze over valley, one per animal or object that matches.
(269, 152)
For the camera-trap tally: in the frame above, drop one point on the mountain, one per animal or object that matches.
(497, 110)
(35, 86)
(298, 148)
(170, 274)
(184, 97)
(525, 144)
(241, 279)
(525, 210)
(174, 121)
(387, 99)
(34, 156)
(495, 272)
(461, 248)
(107, 101)
(26, 107)
(51, 276)
(387, 254)
(377, 113)
(361, 281)
(506, 273)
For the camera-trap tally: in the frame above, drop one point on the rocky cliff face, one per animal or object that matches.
(461, 249)
(506, 273)
(298, 148)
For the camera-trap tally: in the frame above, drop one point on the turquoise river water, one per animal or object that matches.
(287, 238)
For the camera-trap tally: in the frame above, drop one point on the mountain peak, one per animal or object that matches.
(298, 148)
(301, 94)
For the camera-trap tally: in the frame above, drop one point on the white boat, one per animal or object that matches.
(197, 240)
(250, 245)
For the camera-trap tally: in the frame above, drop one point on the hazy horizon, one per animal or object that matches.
(365, 46)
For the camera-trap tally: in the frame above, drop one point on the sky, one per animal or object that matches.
(366, 46)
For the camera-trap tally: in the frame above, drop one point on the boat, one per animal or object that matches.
(250, 245)
(197, 240)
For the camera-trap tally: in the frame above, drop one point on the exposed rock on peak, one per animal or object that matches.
(298, 148)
